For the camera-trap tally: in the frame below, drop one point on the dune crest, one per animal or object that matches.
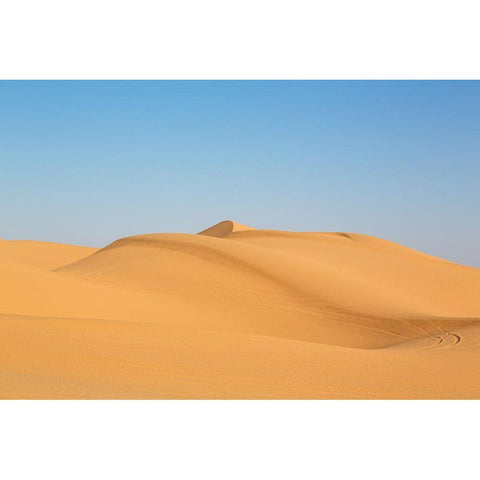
(223, 228)
(237, 312)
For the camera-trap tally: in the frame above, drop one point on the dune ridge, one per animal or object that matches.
(221, 229)
(237, 312)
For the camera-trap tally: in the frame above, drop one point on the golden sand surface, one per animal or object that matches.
(237, 312)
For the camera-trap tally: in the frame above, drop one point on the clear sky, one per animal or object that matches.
(89, 162)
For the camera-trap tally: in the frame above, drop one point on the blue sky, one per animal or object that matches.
(88, 162)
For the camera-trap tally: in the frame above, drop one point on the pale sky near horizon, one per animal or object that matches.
(89, 162)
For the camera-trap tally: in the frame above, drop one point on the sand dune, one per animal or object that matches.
(224, 228)
(42, 254)
(237, 312)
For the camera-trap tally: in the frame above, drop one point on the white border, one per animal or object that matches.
(239, 440)
(248, 39)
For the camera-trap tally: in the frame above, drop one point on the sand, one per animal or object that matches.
(237, 312)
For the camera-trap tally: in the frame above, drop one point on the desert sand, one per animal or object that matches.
(237, 312)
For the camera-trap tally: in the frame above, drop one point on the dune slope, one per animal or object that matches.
(46, 255)
(237, 312)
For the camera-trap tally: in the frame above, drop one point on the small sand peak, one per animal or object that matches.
(223, 228)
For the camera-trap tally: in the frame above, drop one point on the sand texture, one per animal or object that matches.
(237, 312)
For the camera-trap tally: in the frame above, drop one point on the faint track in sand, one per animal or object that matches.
(431, 342)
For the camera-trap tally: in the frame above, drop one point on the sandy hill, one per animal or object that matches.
(42, 254)
(222, 229)
(237, 312)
